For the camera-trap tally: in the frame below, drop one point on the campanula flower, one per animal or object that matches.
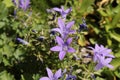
(102, 56)
(101, 51)
(24, 4)
(64, 29)
(22, 41)
(63, 47)
(62, 11)
(52, 76)
(103, 62)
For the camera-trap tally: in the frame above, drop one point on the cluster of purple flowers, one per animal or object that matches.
(23, 4)
(102, 56)
(64, 29)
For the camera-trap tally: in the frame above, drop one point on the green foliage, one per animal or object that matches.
(4, 75)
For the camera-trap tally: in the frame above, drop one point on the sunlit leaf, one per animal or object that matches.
(4, 75)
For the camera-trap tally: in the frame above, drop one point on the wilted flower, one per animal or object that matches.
(63, 47)
(22, 41)
(62, 11)
(64, 29)
(52, 76)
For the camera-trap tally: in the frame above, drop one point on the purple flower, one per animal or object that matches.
(63, 29)
(63, 47)
(101, 51)
(83, 26)
(24, 4)
(102, 61)
(70, 77)
(22, 41)
(102, 56)
(62, 11)
(52, 76)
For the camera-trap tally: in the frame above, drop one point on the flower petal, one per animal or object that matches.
(72, 31)
(110, 66)
(70, 24)
(58, 74)
(49, 72)
(98, 66)
(57, 9)
(59, 41)
(69, 40)
(57, 30)
(44, 78)
(71, 50)
(62, 55)
(108, 60)
(68, 10)
(61, 24)
(56, 48)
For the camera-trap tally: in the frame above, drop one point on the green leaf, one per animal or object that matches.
(8, 3)
(3, 11)
(4, 75)
(116, 62)
(115, 36)
(6, 62)
(117, 54)
(1, 57)
(117, 73)
(85, 5)
(2, 24)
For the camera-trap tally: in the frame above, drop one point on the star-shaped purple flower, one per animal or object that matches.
(64, 29)
(63, 47)
(62, 11)
(101, 51)
(24, 4)
(52, 76)
(102, 56)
